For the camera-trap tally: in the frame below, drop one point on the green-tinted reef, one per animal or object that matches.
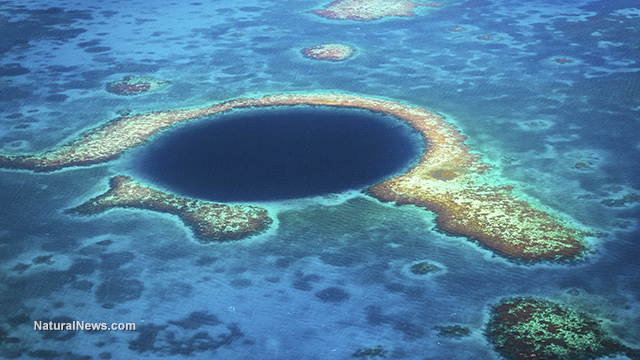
(533, 328)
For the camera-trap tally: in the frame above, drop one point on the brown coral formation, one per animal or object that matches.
(329, 52)
(135, 85)
(367, 10)
(449, 179)
(210, 221)
(533, 328)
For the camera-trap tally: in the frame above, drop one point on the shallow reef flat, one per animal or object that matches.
(136, 85)
(210, 221)
(448, 179)
(329, 52)
(533, 328)
(367, 10)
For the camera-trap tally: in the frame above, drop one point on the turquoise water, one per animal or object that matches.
(331, 276)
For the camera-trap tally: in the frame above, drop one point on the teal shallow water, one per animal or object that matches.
(274, 296)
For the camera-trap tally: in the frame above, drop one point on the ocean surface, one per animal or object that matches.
(548, 92)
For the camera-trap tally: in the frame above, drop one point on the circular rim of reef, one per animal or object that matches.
(449, 179)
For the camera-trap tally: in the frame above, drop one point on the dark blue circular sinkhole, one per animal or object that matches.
(278, 153)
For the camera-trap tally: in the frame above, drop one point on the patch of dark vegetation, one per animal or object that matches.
(43, 259)
(59, 69)
(304, 282)
(196, 320)
(621, 224)
(206, 260)
(375, 315)
(423, 268)
(250, 9)
(340, 258)
(104, 58)
(225, 11)
(89, 43)
(240, 283)
(13, 69)
(113, 261)
(8, 340)
(83, 285)
(261, 39)
(620, 202)
(370, 353)
(453, 331)
(332, 295)
(614, 188)
(56, 98)
(118, 290)
(299, 284)
(199, 332)
(108, 13)
(97, 49)
(411, 330)
(83, 266)
(44, 354)
(58, 305)
(9, 93)
(62, 335)
(284, 262)
(20, 268)
(54, 23)
(19, 320)
(38, 284)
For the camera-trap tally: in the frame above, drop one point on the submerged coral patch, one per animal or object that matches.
(622, 201)
(423, 268)
(329, 52)
(332, 294)
(200, 332)
(527, 328)
(135, 85)
(13, 69)
(370, 353)
(453, 331)
(367, 10)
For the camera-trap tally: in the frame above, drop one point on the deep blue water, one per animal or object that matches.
(330, 277)
(280, 153)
